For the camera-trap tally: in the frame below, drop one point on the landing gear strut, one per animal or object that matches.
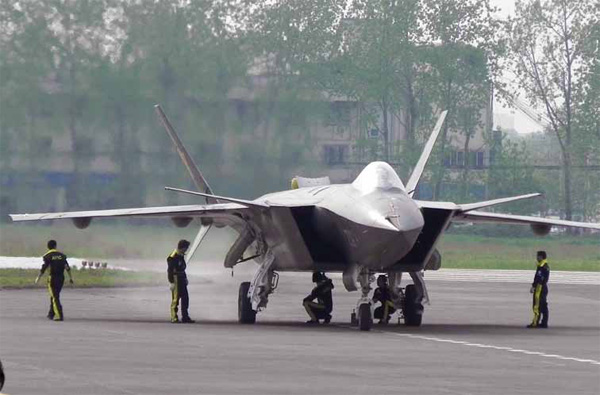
(254, 296)
(364, 306)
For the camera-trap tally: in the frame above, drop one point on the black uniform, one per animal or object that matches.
(57, 261)
(387, 308)
(324, 305)
(540, 294)
(176, 274)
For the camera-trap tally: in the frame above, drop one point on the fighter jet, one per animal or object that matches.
(372, 225)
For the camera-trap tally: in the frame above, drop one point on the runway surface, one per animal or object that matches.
(473, 341)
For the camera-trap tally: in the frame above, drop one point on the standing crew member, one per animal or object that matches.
(178, 282)
(539, 289)
(57, 261)
(321, 309)
(383, 294)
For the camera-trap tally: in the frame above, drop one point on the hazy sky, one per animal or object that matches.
(521, 122)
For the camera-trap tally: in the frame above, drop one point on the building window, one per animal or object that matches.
(479, 160)
(339, 114)
(449, 159)
(460, 159)
(335, 154)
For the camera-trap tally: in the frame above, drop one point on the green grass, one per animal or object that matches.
(478, 252)
(85, 278)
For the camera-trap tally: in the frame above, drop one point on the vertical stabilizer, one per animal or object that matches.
(187, 160)
(195, 173)
(413, 181)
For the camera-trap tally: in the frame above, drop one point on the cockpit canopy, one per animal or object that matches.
(377, 175)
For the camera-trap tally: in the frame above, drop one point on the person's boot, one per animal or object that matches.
(544, 323)
(187, 320)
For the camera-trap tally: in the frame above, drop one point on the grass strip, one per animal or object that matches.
(84, 278)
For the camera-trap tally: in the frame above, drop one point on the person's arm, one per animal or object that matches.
(376, 295)
(171, 272)
(68, 269)
(545, 275)
(42, 270)
(536, 279)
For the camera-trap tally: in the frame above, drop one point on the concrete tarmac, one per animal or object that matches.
(473, 341)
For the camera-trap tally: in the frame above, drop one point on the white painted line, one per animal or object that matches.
(508, 349)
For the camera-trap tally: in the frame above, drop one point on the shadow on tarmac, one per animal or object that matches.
(424, 330)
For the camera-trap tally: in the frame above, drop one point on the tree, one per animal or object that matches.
(548, 39)
(464, 60)
(52, 46)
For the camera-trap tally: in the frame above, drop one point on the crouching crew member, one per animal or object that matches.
(178, 282)
(383, 294)
(539, 289)
(57, 262)
(321, 309)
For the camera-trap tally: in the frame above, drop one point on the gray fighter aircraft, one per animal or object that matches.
(373, 225)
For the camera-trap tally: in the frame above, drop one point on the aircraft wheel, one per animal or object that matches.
(245, 313)
(365, 319)
(412, 307)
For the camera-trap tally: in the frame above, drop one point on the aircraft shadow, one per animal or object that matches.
(218, 323)
(424, 330)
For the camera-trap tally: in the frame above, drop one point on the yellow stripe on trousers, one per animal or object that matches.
(53, 298)
(536, 304)
(386, 309)
(174, 300)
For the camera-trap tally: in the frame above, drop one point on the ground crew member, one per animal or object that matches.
(383, 294)
(539, 289)
(321, 309)
(178, 282)
(57, 261)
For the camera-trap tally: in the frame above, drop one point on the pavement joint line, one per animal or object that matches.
(490, 346)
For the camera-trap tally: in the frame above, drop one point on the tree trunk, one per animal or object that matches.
(567, 185)
(465, 170)
(386, 133)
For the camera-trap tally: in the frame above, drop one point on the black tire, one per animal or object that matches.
(245, 313)
(412, 308)
(365, 319)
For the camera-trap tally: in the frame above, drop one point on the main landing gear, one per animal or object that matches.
(363, 314)
(408, 302)
(254, 296)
